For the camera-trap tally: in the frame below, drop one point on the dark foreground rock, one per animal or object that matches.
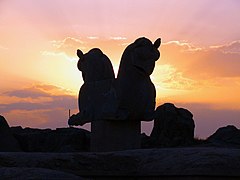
(165, 162)
(47, 140)
(23, 173)
(172, 127)
(228, 136)
(7, 141)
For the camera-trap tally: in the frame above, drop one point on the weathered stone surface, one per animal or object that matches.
(47, 140)
(228, 136)
(7, 140)
(164, 162)
(108, 135)
(172, 126)
(23, 173)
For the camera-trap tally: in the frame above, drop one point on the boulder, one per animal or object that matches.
(7, 141)
(47, 140)
(172, 126)
(228, 136)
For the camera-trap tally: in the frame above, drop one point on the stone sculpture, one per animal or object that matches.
(135, 90)
(130, 97)
(95, 66)
(98, 76)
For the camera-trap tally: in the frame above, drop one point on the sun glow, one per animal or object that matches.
(39, 76)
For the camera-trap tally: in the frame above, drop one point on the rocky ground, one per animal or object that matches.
(195, 162)
(170, 152)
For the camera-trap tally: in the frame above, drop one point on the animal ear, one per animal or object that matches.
(157, 43)
(79, 54)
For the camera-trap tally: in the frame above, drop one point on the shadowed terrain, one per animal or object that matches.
(63, 153)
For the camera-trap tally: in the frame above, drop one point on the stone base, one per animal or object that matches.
(108, 135)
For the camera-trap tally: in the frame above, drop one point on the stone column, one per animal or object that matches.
(110, 135)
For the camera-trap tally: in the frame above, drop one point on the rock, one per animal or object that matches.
(22, 173)
(228, 136)
(165, 163)
(47, 140)
(7, 141)
(172, 126)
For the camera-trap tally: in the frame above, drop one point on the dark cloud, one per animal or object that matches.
(36, 91)
(28, 106)
(25, 93)
(38, 106)
(40, 97)
(66, 102)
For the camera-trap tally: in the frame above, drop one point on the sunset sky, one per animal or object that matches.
(199, 67)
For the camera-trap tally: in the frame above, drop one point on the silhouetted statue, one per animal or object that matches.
(98, 76)
(116, 107)
(135, 91)
(95, 66)
(130, 97)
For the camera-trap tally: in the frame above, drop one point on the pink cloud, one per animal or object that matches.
(233, 47)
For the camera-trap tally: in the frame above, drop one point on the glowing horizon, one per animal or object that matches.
(198, 68)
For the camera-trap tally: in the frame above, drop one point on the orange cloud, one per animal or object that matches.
(40, 105)
(211, 75)
(168, 77)
(217, 61)
(184, 73)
